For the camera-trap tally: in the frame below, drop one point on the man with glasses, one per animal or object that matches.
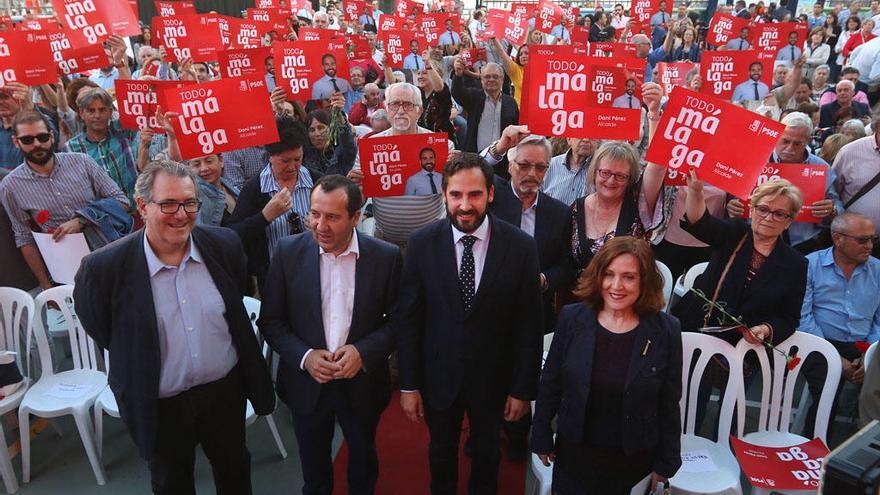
(858, 174)
(489, 110)
(14, 98)
(645, 52)
(548, 221)
(841, 303)
(166, 302)
(59, 184)
(792, 148)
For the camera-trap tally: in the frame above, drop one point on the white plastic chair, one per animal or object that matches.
(869, 355)
(68, 392)
(685, 284)
(668, 282)
(16, 318)
(724, 480)
(105, 403)
(777, 394)
(252, 306)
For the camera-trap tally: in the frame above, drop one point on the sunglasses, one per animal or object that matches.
(42, 137)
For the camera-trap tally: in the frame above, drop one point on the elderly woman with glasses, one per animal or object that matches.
(753, 273)
(624, 200)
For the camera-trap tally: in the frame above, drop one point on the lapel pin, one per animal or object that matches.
(647, 348)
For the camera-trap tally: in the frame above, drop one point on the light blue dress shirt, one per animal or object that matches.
(195, 346)
(839, 309)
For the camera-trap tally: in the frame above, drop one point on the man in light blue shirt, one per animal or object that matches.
(817, 19)
(414, 61)
(841, 303)
(790, 52)
(560, 32)
(566, 179)
(426, 180)
(753, 88)
(741, 43)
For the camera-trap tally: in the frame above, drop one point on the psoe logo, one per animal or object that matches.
(755, 126)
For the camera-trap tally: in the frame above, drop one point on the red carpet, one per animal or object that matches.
(403, 459)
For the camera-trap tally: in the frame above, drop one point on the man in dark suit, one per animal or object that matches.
(326, 308)
(468, 327)
(846, 91)
(489, 110)
(166, 302)
(548, 221)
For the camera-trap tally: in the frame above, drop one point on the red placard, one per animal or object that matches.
(671, 74)
(397, 46)
(91, 22)
(609, 49)
(524, 9)
(358, 47)
(642, 10)
(724, 28)
(432, 26)
(580, 39)
(387, 162)
(301, 68)
(503, 24)
(244, 62)
(39, 24)
(725, 70)
(409, 8)
(771, 37)
(274, 19)
(726, 144)
(390, 23)
(70, 60)
(267, 4)
(810, 179)
(471, 56)
(211, 119)
(798, 467)
(187, 37)
(549, 15)
(36, 68)
(137, 100)
(315, 34)
(245, 33)
(354, 9)
(579, 96)
(175, 8)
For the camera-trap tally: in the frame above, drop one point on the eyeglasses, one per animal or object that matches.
(607, 174)
(294, 223)
(763, 211)
(528, 167)
(172, 207)
(394, 106)
(873, 239)
(491, 77)
(42, 137)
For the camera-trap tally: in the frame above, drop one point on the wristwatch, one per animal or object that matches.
(493, 150)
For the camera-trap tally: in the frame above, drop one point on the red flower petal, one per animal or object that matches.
(793, 362)
(42, 217)
(862, 346)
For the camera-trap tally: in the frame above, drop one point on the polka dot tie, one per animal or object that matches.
(466, 274)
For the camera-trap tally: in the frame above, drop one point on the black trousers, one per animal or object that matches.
(211, 415)
(314, 434)
(679, 259)
(484, 418)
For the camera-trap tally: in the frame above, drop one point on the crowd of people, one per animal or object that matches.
(463, 275)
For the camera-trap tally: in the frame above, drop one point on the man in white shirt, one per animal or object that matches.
(334, 360)
(426, 180)
(628, 99)
(618, 19)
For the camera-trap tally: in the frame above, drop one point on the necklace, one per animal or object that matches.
(608, 225)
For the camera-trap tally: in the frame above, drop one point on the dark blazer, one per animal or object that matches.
(248, 222)
(552, 236)
(473, 100)
(291, 318)
(651, 416)
(775, 295)
(828, 112)
(492, 351)
(114, 302)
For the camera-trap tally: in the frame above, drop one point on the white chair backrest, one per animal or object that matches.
(692, 274)
(252, 306)
(692, 374)
(16, 319)
(869, 355)
(82, 347)
(668, 281)
(777, 389)
(548, 340)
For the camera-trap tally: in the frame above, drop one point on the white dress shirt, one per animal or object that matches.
(527, 221)
(337, 295)
(480, 248)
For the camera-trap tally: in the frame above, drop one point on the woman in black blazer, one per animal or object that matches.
(613, 377)
(757, 276)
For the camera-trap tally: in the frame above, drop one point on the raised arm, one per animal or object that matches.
(793, 80)
(506, 61)
(652, 177)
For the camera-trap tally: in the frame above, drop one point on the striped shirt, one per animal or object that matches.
(301, 199)
(114, 154)
(239, 166)
(75, 181)
(856, 164)
(563, 183)
(398, 217)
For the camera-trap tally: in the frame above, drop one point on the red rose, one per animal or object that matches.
(862, 346)
(793, 362)
(42, 217)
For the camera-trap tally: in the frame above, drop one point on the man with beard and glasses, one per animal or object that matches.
(398, 217)
(426, 180)
(329, 84)
(468, 327)
(59, 184)
(547, 220)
